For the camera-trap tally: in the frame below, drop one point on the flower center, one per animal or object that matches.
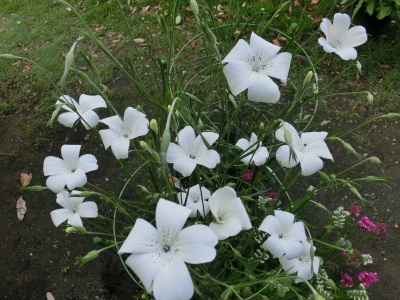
(166, 248)
(281, 236)
(192, 156)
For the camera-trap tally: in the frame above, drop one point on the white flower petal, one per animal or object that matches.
(241, 52)
(270, 225)
(243, 144)
(173, 281)
(260, 156)
(320, 149)
(120, 148)
(231, 227)
(279, 134)
(196, 244)
(289, 265)
(273, 245)
(278, 67)
(185, 166)
(90, 119)
(285, 159)
(146, 267)
(68, 119)
(143, 238)
(203, 207)
(88, 210)
(63, 199)
(262, 89)
(209, 159)
(355, 36)
(170, 218)
(292, 248)
(341, 23)
(56, 183)
(54, 166)
(311, 137)
(58, 216)
(285, 218)
(114, 123)
(69, 99)
(186, 138)
(346, 53)
(75, 220)
(326, 26)
(90, 102)
(175, 152)
(324, 43)
(298, 232)
(76, 179)
(237, 74)
(70, 153)
(87, 163)
(310, 164)
(109, 137)
(262, 49)
(135, 123)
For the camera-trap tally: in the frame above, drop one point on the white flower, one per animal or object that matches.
(251, 66)
(255, 153)
(192, 151)
(121, 132)
(339, 38)
(195, 198)
(308, 149)
(73, 210)
(305, 265)
(83, 110)
(159, 255)
(70, 170)
(230, 216)
(286, 237)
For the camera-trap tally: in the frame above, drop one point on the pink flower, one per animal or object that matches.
(354, 210)
(248, 175)
(350, 259)
(346, 281)
(366, 223)
(380, 227)
(367, 278)
(270, 196)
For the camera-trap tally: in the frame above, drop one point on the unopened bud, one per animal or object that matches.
(54, 115)
(348, 147)
(330, 283)
(322, 207)
(144, 189)
(324, 123)
(287, 136)
(88, 257)
(166, 139)
(8, 56)
(153, 154)
(359, 66)
(237, 253)
(178, 20)
(392, 116)
(80, 74)
(315, 88)
(324, 176)
(75, 229)
(370, 98)
(308, 77)
(318, 297)
(83, 194)
(154, 126)
(36, 188)
(375, 160)
(194, 6)
(261, 127)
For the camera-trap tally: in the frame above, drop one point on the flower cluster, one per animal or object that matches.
(367, 278)
(366, 223)
(354, 210)
(347, 281)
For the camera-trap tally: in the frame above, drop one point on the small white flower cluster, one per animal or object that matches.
(282, 290)
(339, 217)
(260, 256)
(366, 259)
(343, 243)
(322, 287)
(262, 203)
(359, 294)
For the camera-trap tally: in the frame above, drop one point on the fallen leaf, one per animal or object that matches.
(144, 9)
(312, 7)
(297, 3)
(21, 208)
(25, 178)
(318, 18)
(49, 296)
(139, 40)
(314, 1)
(193, 45)
(276, 42)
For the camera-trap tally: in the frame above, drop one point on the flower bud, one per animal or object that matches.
(392, 116)
(359, 66)
(370, 98)
(237, 253)
(324, 176)
(153, 154)
(322, 207)
(348, 147)
(154, 126)
(315, 88)
(375, 160)
(324, 123)
(178, 19)
(330, 283)
(194, 6)
(36, 188)
(83, 194)
(54, 115)
(88, 257)
(261, 127)
(7, 56)
(308, 77)
(288, 137)
(75, 229)
(80, 74)
(144, 189)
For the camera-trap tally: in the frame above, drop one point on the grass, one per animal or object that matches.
(44, 31)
